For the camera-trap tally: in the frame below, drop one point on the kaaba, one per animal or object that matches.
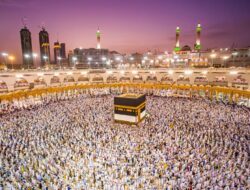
(129, 108)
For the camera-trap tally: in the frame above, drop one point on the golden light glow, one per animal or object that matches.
(19, 75)
(233, 72)
(188, 72)
(204, 72)
(170, 72)
(134, 72)
(12, 58)
(213, 55)
(109, 72)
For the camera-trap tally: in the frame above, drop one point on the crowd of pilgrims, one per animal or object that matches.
(70, 141)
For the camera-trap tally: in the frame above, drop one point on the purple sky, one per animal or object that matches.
(126, 25)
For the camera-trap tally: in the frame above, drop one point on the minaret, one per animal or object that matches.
(98, 36)
(177, 42)
(197, 45)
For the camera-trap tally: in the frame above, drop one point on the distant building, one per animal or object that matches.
(136, 58)
(70, 58)
(26, 44)
(91, 58)
(44, 47)
(237, 57)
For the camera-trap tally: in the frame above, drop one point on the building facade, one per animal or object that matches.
(57, 53)
(26, 45)
(63, 50)
(91, 58)
(44, 47)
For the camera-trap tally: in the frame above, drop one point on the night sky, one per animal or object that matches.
(126, 25)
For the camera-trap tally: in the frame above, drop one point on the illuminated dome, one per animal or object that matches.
(186, 48)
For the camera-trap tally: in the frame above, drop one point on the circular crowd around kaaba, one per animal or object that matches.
(72, 142)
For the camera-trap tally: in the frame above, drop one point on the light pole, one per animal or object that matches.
(117, 61)
(74, 60)
(59, 59)
(11, 58)
(224, 60)
(5, 55)
(104, 59)
(27, 56)
(132, 60)
(213, 55)
(234, 55)
(35, 56)
(45, 59)
(89, 61)
(108, 63)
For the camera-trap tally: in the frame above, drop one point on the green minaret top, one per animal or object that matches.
(198, 28)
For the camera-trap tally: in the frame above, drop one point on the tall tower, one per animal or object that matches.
(63, 50)
(98, 37)
(57, 52)
(44, 47)
(197, 45)
(26, 47)
(177, 41)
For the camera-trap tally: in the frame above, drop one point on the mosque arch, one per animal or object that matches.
(167, 79)
(125, 79)
(111, 79)
(3, 86)
(82, 78)
(54, 80)
(21, 83)
(97, 79)
(137, 78)
(151, 78)
(201, 80)
(39, 81)
(69, 79)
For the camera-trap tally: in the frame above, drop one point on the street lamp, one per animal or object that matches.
(27, 56)
(35, 56)
(5, 55)
(234, 55)
(74, 60)
(45, 58)
(104, 58)
(11, 58)
(118, 59)
(108, 64)
(151, 62)
(160, 57)
(213, 55)
(89, 61)
(224, 59)
(59, 59)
